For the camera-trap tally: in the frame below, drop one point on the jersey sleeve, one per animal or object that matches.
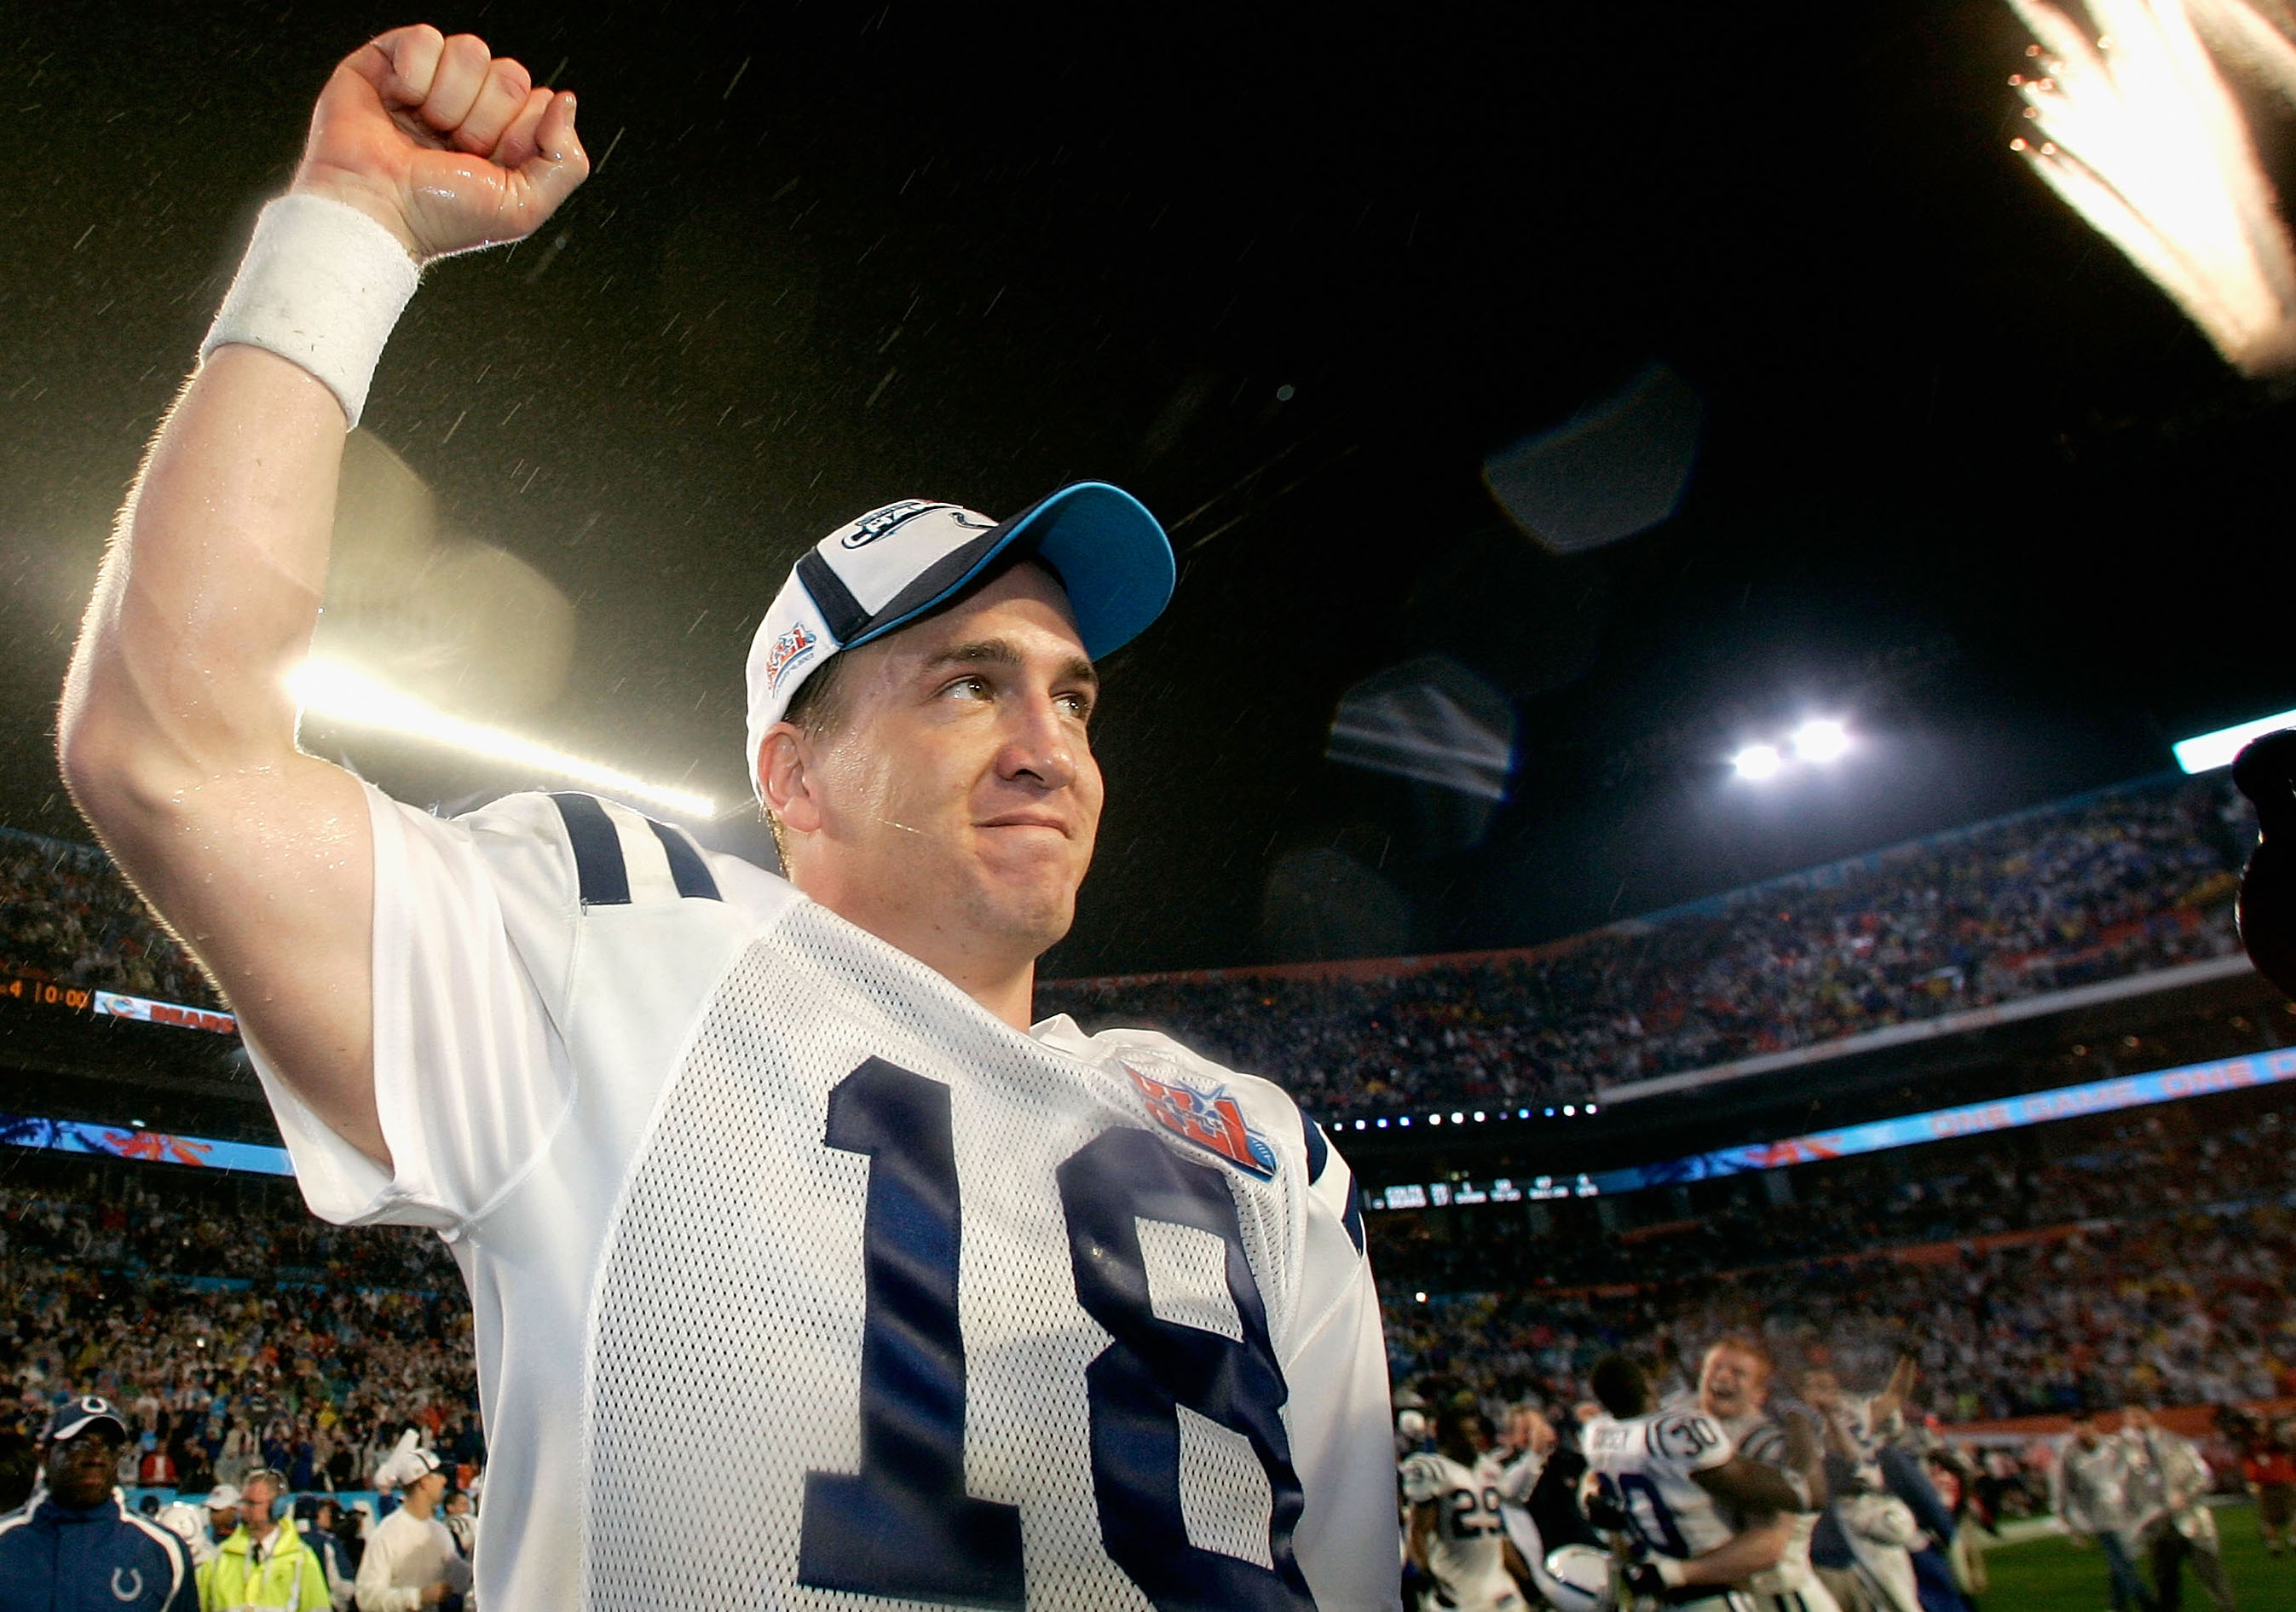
(1520, 1477)
(1341, 1426)
(474, 926)
(1422, 1479)
(1691, 1440)
(1765, 1442)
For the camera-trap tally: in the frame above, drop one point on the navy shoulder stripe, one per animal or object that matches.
(1353, 1219)
(598, 866)
(687, 870)
(1319, 1151)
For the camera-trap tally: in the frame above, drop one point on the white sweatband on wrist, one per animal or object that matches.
(1669, 1571)
(321, 285)
(1800, 1484)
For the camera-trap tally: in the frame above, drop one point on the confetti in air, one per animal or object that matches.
(2137, 131)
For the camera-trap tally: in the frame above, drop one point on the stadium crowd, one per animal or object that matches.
(2137, 878)
(2131, 880)
(232, 1343)
(67, 916)
(2155, 1270)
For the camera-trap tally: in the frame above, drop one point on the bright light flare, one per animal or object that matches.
(330, 689)
(1821, 740)
(2210, 751)
(1758, 762)
(2139, 134)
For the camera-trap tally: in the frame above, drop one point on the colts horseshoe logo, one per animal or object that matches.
(134, 1586)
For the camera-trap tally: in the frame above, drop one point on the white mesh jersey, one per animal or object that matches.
(1762, 1438)
(1645, 1466)
(1465, 1552)
(799, 1281)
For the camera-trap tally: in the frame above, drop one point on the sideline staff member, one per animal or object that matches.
(75, 1546)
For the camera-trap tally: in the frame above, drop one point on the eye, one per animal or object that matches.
(971, 686)
(1079, 702)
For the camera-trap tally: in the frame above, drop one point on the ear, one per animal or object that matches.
(785, 779)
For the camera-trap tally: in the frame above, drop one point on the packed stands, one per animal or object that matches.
(235, 1339)
(2144, 1268)
(67, 916)
(2120, 883)
(2129, 880)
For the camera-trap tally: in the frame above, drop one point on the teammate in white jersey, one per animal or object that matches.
(1733, 1389)
(1455, 1535)
(1880, 1528)
(978, 1312)
(1669, 1480)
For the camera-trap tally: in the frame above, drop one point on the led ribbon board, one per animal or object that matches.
(147, 1147)
(1907, 1131)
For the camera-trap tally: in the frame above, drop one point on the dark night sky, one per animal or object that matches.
(1966, 478)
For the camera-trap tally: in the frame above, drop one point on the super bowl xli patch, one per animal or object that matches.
(1209, 1119)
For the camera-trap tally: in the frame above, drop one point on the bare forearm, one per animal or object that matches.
(1742, 1555)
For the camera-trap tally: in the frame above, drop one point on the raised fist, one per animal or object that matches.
(442, 143)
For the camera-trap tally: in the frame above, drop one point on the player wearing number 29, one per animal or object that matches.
(1456, 1533)
(974, 1312)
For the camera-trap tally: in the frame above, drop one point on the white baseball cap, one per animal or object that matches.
(877, 574)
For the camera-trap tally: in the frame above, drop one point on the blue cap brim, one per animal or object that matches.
(1113, 560)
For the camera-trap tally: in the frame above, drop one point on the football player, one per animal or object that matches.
(970, 1309)
(1733, 1389)
(1669, 1480)
(1881, 1530)
(1455, 1535)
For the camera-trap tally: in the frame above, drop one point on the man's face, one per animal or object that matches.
(1733, 1382)
(1821, 1390)
(255, 1501)
(430, 1486)
(1471, 1436)
(82, 1469)
(223, 1519)
(953, 807)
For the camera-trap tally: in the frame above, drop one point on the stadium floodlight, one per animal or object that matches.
(1820, 739)
(1758, 762)
(2210, 751)
(332, 690)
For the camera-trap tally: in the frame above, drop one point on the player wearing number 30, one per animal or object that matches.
(974, 1312)
(1661, 1479)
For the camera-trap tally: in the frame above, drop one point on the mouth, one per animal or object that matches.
(1026, 819)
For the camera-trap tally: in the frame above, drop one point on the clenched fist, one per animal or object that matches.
(442, 143)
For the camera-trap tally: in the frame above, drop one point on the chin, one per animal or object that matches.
(1038, 916)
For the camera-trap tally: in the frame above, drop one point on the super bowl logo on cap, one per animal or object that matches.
(788, 649)
(1209, 1119)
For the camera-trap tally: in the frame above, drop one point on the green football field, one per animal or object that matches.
(2050, 1575)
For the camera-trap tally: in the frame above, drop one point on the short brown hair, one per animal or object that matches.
(1753, 1348)
(816, 710)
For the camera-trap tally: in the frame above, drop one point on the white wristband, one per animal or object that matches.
(321, 285)
(1669, 1571)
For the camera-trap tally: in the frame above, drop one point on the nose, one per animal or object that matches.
(1040, 745)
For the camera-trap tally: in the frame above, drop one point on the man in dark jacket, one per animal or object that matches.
(75, 1546)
